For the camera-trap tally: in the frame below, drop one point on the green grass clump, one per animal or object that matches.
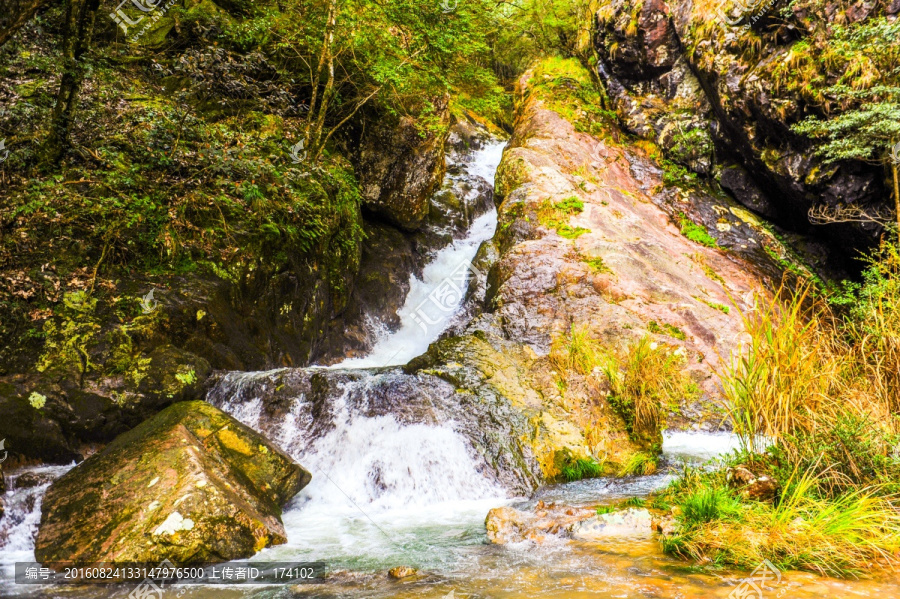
(707, 505)
(642, 377)
(580, 468)
(696, 233)
(666, 329)
(814, 396)
(839, 536)
(640, 463)
(715, 306)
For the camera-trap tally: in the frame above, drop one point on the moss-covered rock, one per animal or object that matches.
(191, 484)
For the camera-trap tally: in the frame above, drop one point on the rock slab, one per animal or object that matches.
(190, 485)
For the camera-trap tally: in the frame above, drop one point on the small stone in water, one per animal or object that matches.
(401, 572)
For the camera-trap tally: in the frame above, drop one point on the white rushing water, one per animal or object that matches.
(19, 524)
(437, 296)
(385, 490)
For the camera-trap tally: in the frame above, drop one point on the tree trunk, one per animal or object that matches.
(319, 106)
(79, 28)
(894, 167)
(893, 157)
(14, 14)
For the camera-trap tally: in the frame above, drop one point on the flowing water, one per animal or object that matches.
(401, 476)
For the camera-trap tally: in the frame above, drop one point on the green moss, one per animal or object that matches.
(716, 306)
(696, 233)
(555, 216)
(566, 87)
(597, 264)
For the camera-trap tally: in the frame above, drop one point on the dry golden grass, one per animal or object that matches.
(642, 377)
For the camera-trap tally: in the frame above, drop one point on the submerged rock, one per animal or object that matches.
(401, 572)
(631, 522)
(510, 525)
(191, 485)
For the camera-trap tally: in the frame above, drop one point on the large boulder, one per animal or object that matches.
(191, 485)
(399, 168)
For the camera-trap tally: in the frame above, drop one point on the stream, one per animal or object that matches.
(401, 477)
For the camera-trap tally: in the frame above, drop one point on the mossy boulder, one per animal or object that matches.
(191, 485)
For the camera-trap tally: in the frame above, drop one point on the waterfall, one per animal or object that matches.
(19, 524)
(388, 452)
(434, 299)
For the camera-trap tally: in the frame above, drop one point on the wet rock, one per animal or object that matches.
(631, 522)
(509, 525)
(666, 525)
(191, 484)
(760, 488)
(736, 180)
(27, 480)
(401, 572)
(673, 79)
(399, 170)
(388, 258)
(30, 431)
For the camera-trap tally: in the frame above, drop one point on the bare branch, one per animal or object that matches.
(847, 213)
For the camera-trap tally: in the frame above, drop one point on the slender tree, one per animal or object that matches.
(77, 33)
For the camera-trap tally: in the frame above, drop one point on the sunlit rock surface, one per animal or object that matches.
(191, 484)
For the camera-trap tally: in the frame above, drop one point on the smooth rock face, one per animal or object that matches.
(191, 485)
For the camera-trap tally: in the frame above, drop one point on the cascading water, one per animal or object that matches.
(22, 504)
(384, 471)
(434, 298)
